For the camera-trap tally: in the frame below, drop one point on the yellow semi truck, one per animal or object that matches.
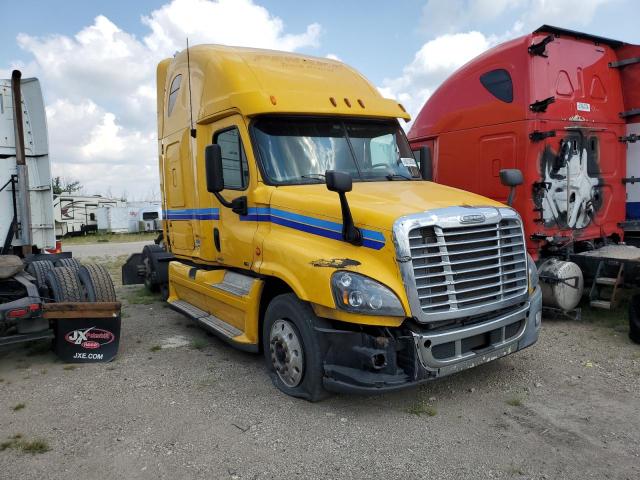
(299, 224)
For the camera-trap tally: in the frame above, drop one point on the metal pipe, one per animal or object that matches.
(21, 166)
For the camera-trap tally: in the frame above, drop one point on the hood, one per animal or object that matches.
(374, 204)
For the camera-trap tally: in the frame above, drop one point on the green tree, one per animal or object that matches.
(61, 185)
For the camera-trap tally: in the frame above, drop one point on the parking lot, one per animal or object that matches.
(178, 403)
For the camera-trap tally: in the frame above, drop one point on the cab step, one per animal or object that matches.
(206, 320)
(604, 289)
(604, 304)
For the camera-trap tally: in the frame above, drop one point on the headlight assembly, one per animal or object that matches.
(359, 294)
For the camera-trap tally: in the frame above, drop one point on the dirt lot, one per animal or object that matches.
(178, 403)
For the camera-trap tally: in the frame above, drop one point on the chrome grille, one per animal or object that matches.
(464, 267)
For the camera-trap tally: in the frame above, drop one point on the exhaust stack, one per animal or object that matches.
(24, 206)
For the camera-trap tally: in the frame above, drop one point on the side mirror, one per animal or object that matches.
(213, 168)
(426, 163)
(511, 177)
(340, 182)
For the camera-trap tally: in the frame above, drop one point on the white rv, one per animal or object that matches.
(77, 215)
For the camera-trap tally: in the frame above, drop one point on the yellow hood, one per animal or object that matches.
(374, 204)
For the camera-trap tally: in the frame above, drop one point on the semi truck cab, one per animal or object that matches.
(298, 224)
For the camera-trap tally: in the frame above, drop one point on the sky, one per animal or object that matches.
(96, 59)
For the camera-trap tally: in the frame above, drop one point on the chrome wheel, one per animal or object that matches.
(286, 352)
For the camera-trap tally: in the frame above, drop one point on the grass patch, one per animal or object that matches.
(199, 343)
(155, 348)
(69, 367)
(422, 408)
(110, 238)
(616, 319)
(515, 402)
(19, 406)
(33, 447)
(141, 296)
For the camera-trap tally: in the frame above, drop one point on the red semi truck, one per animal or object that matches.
(563, 108)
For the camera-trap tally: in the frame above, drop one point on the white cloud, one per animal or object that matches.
(461, 29)
(333, 56)
(432, 64)
(100, 83)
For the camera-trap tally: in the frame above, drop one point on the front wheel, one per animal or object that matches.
(292, 351)
(634, 319)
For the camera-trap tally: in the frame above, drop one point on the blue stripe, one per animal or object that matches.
(371, 238)
(193, 214)
(316, 226)
(633, 210)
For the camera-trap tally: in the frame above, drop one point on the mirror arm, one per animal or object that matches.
(350, 233)
(512, 194)
(237, 205)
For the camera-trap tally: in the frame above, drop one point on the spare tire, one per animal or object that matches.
(97, 283)
(64, 285)
(69, 263)
(634, 319)
(38, 270)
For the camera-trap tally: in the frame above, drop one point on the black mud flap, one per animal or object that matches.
(90, 340)
(133, 270)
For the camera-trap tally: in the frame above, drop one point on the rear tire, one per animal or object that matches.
(296, 320)
(38, 270)
(97, 283)
(634, 319)
(64, 285)
(69, 263)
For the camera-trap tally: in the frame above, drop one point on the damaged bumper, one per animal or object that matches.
(357, 362)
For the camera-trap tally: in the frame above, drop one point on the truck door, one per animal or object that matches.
(234, 241)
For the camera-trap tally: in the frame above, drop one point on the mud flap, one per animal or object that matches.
(87, 340)
(85, 332)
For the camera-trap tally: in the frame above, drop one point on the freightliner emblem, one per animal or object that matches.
(475, 218)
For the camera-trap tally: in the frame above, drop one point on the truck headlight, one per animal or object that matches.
(533, 273)
(359, 294)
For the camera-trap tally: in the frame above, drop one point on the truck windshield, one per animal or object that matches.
(300, 150)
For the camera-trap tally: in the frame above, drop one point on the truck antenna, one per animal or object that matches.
(193, 130)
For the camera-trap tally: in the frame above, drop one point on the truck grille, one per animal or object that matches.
(468, 266)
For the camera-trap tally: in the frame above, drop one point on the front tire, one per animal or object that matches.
(292, 350)
(634, 319)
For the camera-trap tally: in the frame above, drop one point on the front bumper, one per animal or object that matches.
(356, 362)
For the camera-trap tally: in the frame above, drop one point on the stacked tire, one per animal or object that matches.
(67, 280)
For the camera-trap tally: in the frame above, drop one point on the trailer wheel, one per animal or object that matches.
(634, 319)
(64, 285)
(291, 348)
(38, 270)
(97, 283)
(69, 263)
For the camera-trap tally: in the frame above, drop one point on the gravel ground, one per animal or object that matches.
(566, 408)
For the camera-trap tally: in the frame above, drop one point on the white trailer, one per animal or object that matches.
(78, 214)
(15, 234)
(44, 294)
(115, 219)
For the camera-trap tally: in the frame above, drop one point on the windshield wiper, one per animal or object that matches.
(314, 176)
(394, 176)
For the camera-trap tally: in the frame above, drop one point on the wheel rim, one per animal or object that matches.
(286, 352)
